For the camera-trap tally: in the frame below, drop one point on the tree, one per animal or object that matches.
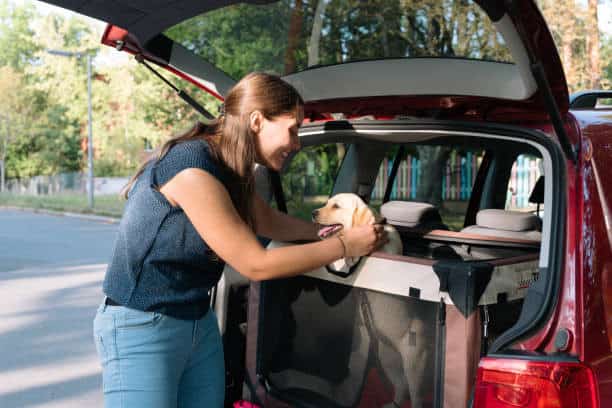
(293, 37)
(593, 45)
(17, 45)
(579, 42)
(315, 34)
(239, 39)
(606, 60)
(433, 158)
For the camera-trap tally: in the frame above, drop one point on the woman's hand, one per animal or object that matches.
(364, 239)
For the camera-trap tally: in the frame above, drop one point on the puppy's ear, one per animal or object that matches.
(378, 219)
(363, 216)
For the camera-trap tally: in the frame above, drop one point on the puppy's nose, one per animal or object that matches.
(315, 213)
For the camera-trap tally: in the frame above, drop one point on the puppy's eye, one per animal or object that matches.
(335, 206)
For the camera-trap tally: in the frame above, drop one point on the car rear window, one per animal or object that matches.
(285, 37)
(309, 178)
(440, 175)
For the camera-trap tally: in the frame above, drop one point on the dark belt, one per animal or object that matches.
(111, 302)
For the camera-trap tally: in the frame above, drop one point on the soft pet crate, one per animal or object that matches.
(397, 332)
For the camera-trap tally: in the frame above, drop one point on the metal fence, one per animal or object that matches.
(458, 179)
(64, 183)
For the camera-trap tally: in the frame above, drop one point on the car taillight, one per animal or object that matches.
(510, 383)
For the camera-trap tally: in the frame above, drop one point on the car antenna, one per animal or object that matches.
(181, 94)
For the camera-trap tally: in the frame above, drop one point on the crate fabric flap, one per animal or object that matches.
(465, 282)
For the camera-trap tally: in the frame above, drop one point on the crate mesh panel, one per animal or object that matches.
(331, 345)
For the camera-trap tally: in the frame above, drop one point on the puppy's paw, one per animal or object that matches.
(351, 261)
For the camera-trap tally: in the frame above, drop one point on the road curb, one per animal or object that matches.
(90, 217)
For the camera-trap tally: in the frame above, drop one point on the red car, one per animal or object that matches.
(454, 119)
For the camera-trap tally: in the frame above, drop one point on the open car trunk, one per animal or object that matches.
(405, 330)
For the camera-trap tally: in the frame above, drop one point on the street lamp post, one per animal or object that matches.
(90, 171)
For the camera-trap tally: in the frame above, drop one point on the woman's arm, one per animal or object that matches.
(277, 225)
(208, 206)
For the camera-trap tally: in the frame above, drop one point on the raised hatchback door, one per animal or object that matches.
(516, 33)
(486, 59)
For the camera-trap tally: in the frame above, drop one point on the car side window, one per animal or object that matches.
(440, 175)
(309, 178)
(524, 175)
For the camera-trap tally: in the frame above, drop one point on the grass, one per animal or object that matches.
(107, 205)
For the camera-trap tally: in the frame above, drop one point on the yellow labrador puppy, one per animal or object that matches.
(347, 210)
(409, 339)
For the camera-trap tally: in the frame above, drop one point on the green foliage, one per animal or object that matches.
(281, 37)
(58, 141)
(311, 173)
(17, 45)
(606, 59)
(49, 146)
(239, 39)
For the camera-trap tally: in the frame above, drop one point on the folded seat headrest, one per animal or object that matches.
(507, 224)
(412, 214)
(507, 220)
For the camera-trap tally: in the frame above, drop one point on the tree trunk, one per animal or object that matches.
(315, 34)
(568, 35)
(384, 38)
(593, 45)
(295, 27)
(432, 166)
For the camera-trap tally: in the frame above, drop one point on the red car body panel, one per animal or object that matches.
(594, 245)
(585, 303)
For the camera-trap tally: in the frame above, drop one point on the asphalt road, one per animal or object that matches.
(51, 271)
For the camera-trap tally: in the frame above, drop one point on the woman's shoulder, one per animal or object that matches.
(193, 146)
(195, 153)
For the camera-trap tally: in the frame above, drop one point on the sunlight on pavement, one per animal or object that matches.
(48, 354)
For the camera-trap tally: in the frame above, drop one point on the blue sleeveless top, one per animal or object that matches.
(160, 263)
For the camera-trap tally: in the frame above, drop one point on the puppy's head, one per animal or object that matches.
(343, 211)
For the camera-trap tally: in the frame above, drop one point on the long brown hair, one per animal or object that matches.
(230, 136)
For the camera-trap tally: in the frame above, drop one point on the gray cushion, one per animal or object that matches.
(528, 235)
(410, 213)
(507, 220)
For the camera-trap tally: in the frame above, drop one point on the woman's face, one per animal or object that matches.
(276, 138)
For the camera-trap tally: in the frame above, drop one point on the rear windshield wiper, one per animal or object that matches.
(181, 94)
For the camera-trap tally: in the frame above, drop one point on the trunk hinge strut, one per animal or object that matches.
(555, 116)
(180, 93)
(537, 69)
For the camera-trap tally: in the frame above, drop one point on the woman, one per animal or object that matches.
(189, 211)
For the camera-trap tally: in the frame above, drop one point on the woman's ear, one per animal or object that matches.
(256, 121)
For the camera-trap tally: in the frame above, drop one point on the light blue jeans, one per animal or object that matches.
(151, 360)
